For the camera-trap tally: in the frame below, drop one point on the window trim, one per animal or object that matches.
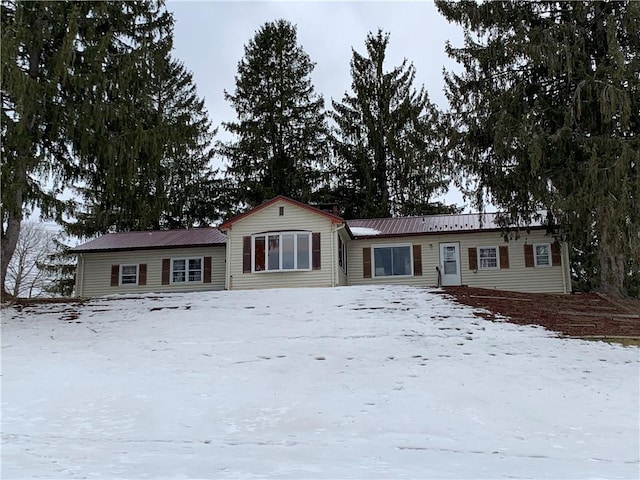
(266, 236)
(497, 257)
(391, 245)
(121, 274)
(535, 255)
(186, 271)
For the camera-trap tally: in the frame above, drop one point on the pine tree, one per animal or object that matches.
(191, 187)
(280, 143)
(60, 268)
(386, 139)
(69, 81)
(170, 185)
(547, 112)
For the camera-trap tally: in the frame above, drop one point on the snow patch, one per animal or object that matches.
(364, 231)
(350, 382)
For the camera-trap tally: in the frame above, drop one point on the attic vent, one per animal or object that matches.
(281, 211)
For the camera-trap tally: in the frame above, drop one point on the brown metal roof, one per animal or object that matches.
(154, 239)
(423, 225)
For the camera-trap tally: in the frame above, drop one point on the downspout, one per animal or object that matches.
(227, 261)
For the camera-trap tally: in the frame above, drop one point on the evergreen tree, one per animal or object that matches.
(170, 185)
(193, 192)
(280, 140)
(547, 112)
(69, 81)
(60, 268)
(386, 140)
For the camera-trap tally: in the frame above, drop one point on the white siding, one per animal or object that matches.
(269, 220)
(94, 270)
(517, 277)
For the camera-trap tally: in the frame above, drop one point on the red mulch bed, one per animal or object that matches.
(575, 315)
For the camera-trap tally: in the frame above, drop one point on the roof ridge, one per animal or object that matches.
(422, 216)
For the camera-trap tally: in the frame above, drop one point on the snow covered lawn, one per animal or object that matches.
(354, 382)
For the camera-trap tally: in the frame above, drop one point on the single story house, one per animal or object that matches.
(286, 243)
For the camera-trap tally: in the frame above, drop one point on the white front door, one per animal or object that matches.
(450, 264)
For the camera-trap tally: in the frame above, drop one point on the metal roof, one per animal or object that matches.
(154, 239)
(428, 224)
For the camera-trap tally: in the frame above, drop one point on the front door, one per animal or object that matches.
(450, 264)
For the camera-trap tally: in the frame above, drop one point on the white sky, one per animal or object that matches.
(210, 37)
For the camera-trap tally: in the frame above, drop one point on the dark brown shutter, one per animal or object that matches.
(417, 260)
(206, 275)
(366, 262)
(556, 256)
(528, 255)
(473, 258)
(166, 270)
(504, 256)
(246, 254)
(115, 275)
(315, 250)
(142, 274)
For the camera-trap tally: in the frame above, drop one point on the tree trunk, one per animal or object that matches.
(9, 242)
(612, 261)
(612, 273)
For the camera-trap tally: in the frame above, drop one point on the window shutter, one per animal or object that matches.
(417, 260)
(473, 258)
(166, 270)
(366, 262)
(504, 256)
(556, 256)
(246, 254)
(528, 255)
(206, 277)
(142, 274)
(115, 275)
(315, 250)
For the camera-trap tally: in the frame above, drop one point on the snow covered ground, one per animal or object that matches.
(354, 382)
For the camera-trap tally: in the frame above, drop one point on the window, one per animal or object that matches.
(282, 251)
(487, 258)
(542, 255)
(128, 274)
(342, 254)
(186, 270)
(392, 261)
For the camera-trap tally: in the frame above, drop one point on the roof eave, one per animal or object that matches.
(439, 232)
(148, 247)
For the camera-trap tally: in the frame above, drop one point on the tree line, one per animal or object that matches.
(544, 116)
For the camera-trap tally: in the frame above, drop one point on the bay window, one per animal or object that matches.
(282, 251)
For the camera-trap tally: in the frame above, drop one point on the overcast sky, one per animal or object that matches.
(210, 36)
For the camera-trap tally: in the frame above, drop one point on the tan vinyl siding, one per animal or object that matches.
(269, 220)
(517, 277)
(94, 270)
